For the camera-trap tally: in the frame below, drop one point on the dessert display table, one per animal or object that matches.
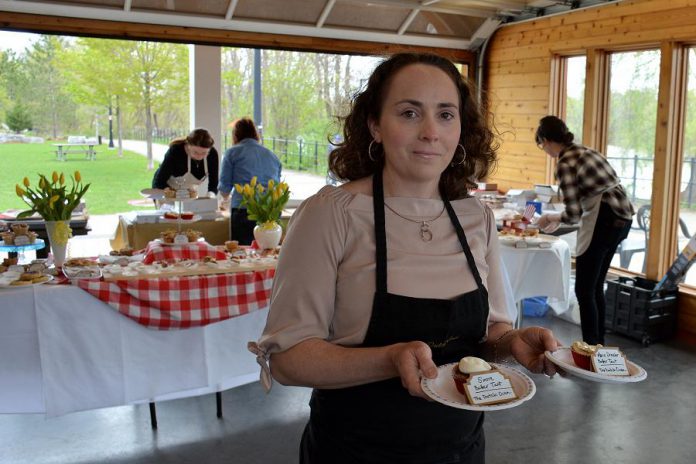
(130, 233)
(538, 271)
(73, 352)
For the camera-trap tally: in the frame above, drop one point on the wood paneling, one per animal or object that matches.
(518, 84)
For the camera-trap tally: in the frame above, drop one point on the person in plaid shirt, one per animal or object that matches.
(594, 197)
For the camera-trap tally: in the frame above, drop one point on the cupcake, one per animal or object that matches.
(21, 228)
(232, 245)
(8, 238)
(467, 366)
(582, 354)
(192, 235)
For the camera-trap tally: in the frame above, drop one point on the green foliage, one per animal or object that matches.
(574, 116)
(52, 108)
(18, 118)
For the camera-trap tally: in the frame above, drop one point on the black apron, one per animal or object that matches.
(381, 422)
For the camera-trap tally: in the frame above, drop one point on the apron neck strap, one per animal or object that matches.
(465, 244)
(380, 232)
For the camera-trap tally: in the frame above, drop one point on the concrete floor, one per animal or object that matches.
(568, 421)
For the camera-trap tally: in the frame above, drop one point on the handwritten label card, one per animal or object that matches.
(489, 387)
(610, 361)
(21, 240)
(180, 239)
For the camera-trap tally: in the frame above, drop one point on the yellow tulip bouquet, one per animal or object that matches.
(264, 204)
(52, 199)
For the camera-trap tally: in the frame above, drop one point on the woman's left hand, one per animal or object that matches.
(528, 346)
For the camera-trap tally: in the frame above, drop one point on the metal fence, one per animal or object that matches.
(634, 182)
(295, 154)
(301, 155)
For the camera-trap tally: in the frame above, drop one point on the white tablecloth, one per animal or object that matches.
(539, 272)
(62, 350)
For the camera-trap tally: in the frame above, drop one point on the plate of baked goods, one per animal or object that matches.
(538, 240)
(82, 272)
(596, 363)
(180, 217)
(159, 241)
(27, 279)
(487, 387)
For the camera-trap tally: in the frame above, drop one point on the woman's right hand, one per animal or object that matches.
(549, 222)
(412, 361)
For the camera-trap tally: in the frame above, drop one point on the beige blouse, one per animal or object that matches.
(325, 279)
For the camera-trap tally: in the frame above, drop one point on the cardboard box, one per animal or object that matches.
(196, 205)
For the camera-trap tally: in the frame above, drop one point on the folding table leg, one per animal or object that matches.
(153, 416)
(218, 400)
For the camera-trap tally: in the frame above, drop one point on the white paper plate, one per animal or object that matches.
(155, 194)
(6, 286)
(72, 273)
(443, 390)
(563, 358)
(109, 259)
(510, 240)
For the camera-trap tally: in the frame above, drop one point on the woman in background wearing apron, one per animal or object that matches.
(190, 161)
(594, 197)
(393, 273)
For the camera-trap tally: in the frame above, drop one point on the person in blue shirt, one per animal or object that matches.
(246, 159)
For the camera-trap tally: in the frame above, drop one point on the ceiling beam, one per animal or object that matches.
(204, 22)
(230, 9)
(476, 12)
(325, 12)
(407, 22)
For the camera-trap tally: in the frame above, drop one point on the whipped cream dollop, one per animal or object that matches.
(472, 364)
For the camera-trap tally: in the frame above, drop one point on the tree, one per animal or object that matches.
(157, 79)
(51, 107)
(97, 90)
(18, 118)
(237, 80)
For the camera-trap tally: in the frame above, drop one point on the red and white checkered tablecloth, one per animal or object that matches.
(155, 251)
(183, 302)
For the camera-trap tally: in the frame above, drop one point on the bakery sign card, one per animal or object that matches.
(610, 361)
(489, 387)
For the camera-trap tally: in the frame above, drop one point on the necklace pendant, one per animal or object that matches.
(425, 233)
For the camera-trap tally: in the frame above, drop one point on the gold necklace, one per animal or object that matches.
(425, 233)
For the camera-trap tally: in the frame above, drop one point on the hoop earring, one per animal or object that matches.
(369, 151)
(453, 164)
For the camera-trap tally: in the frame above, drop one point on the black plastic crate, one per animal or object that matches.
(636, 310)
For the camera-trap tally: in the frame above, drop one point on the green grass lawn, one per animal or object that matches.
(114, 181)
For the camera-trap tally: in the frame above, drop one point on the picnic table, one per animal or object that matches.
(63, 149)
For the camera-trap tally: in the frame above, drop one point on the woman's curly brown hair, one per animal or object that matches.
(351, 161)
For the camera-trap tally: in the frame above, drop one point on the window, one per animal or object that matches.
(575, 94)
(687, 197)
(630, 147)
